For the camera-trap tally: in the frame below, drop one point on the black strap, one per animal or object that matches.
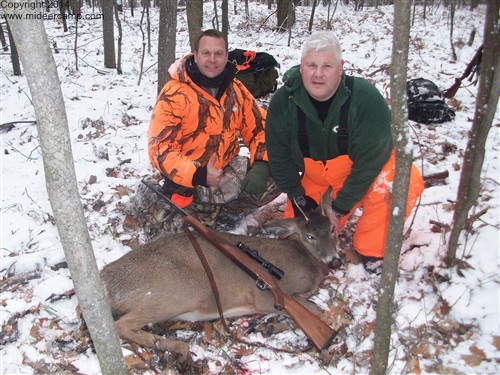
(302, 133)
(342, 132)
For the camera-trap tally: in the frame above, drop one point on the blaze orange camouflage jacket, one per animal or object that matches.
(189, 125)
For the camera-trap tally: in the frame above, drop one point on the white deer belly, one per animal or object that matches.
(196, 316)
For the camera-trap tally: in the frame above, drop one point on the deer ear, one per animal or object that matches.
(279, 231)
(326, 202)
(282, 228)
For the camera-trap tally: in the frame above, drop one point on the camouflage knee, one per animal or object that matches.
(247, 201)
(153, 213)
(229, 190)
(229, 187)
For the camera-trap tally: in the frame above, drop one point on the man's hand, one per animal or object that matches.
(213, 174)
(303, 204)
(256, 179)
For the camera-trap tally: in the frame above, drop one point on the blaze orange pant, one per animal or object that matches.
(371, 229)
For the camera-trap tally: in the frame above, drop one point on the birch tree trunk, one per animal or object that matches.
(52, 124)
(486, 105)
(402, 143)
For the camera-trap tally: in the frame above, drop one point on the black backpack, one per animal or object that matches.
(426, 104)
(258, 71)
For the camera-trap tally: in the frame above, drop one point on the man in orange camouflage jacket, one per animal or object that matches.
(194, 133)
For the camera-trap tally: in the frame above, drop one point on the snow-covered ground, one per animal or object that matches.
(446, 320)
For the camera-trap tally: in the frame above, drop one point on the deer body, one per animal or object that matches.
(165, 280)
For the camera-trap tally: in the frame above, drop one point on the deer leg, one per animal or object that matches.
(129, 330)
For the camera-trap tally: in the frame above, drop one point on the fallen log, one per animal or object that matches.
(436, 179)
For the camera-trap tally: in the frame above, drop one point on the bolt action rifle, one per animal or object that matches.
(471, 69)
(313, 327)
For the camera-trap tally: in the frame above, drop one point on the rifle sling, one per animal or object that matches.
(210, 275)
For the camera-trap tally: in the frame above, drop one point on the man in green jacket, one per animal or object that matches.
(324, 129)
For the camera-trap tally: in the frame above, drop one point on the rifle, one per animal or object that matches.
(268, 266)
(313, 327)
(471, 69)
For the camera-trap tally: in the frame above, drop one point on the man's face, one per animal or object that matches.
(211, 57)
(321, 74)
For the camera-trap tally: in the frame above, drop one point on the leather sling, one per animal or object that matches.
(210, 275)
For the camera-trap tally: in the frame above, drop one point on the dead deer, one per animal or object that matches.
(164, 279)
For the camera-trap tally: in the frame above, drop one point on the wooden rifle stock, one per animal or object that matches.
(313, 327)
(470, 70)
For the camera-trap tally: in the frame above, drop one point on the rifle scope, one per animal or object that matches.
(254, 254)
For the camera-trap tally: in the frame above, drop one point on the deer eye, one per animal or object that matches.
(309, 237)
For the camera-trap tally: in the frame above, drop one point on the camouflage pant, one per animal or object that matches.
(217, 208)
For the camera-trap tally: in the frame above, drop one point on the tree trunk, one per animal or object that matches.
(132, 6)
(215, 19)
(313, 10)
(452, 24)
(52, 124)
(225, 21)
(282, 14)
(75, 48)
(141, 65)
(486, 104)
(14, 56)
(108, 34)
(119, 24)
(62, 10)
(194, 12)
(384, 320)
(289, 24)
(166, 40)
(147, 3)
(5, 47)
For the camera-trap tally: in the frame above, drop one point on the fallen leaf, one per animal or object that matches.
(243, 350)
(35, 332)
(472, 359)
(478, 352)
(414, 365)
(424, 350)
(352, 256)
(496, 342)
(134, 361)
(180, 325)
(122, 190)
(444, 307)
(207, 327)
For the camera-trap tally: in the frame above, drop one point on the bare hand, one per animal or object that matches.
(213, 174)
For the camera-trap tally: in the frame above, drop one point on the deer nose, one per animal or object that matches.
(335, 263)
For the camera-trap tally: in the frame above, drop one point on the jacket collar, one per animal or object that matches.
(295, 87)
(182, 71)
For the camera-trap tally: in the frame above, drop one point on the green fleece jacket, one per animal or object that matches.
(369, 128)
